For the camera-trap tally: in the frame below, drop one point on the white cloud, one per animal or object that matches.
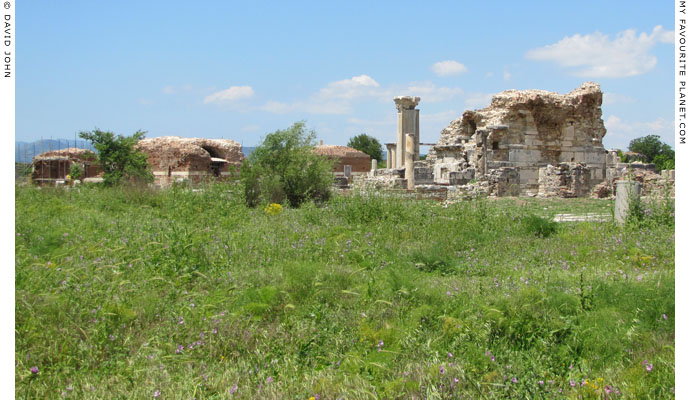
(230, 94)
(340, 97)
(595, 55)
(447, 68)
(478, 100)
(616, 98)
(169, 90)
(430, 93)
(621, 132)
(357, 86)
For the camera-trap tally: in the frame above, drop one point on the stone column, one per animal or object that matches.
(416, 135)
(408, 122)
(373, 164)
(394, 157)
(390, 155)
(626, 192)
(409, 160)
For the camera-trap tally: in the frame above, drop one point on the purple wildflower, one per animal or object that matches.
(649, 367)
(514, 380)
(664, 316)
(450, 355)
(442, 370)
(541, 382)
(572, 383)
(34, 370)
(157, 393)
(608, 389)
(233, 389)
(269, 379)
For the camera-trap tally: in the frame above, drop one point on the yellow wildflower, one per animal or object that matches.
(273, 209)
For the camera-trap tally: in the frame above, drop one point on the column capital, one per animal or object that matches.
(406, 102)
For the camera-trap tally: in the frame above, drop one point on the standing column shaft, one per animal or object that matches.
(416, 135)
(394, 157)
(400, 148)
(409, 160)
(388, 158)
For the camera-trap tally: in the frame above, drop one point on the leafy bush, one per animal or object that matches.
(118, 157)
(283, 168)
(76, 171)
(367, 144)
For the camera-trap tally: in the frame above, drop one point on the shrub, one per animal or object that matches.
(283, 168)
(118, 157)
(76, 171)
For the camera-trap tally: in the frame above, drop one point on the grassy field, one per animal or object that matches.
(184, 294)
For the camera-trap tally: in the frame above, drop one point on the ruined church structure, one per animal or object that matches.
(529, 142)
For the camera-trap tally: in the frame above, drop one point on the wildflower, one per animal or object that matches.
(179, 349)
(233, 389)
(157, 393)
(541, 382)
(649, 367)
(608, 389)
(664, 316)
(450, 355)
(572, 383)
(514, 380)
(442, 370)
(34, 370)
(269, 379)
(273, 209)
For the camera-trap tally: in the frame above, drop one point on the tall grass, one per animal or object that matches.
(124, 293)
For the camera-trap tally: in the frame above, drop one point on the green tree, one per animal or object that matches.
(118, 157)
(654, 151)
(284, 168)
(368, 145)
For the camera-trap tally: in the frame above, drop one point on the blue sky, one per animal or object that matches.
(240, 70)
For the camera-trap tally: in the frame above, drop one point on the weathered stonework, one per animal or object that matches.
(173, 158)
(564, 180)
(527, 130)
(530, 142)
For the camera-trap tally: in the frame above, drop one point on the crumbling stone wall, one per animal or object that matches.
(564, 180)
(173, 158)
(527, 130)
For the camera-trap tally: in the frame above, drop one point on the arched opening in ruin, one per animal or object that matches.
(217, 162)
(494, 146)
(212, 151)
(472, 127)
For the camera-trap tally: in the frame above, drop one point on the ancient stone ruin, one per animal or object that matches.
(53, 166)
(530, 142)
(173, 158)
